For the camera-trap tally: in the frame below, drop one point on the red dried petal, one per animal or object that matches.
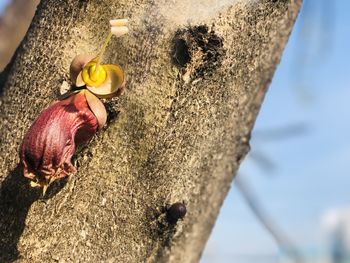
(51, 141)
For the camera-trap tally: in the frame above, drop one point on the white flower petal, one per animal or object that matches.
(118, 22)
(119, 30)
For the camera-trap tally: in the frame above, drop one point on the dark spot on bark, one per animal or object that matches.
(239, 158)
(197, 49)
(203, 29)
(83, 4)
(112, 109)
(181, 55)
(164, 228)
(176, 211)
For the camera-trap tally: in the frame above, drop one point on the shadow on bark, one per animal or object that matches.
(16, 197)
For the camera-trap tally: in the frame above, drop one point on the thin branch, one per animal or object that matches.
(288, 131)
(278, 235)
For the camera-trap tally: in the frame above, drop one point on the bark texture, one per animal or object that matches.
(197, 72)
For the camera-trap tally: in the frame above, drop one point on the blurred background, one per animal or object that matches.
(290, 201)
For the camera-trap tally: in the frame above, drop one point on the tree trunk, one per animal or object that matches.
(197, 72)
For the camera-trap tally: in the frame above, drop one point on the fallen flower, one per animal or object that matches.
(51, 141)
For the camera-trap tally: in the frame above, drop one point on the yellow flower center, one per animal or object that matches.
(94, 75)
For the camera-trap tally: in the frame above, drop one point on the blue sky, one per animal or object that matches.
(311, 174)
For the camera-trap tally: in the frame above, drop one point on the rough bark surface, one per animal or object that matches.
(195, 83)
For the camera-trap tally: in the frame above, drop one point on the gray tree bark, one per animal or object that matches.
(197, 72)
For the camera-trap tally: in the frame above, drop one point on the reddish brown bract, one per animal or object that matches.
(51, 141)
